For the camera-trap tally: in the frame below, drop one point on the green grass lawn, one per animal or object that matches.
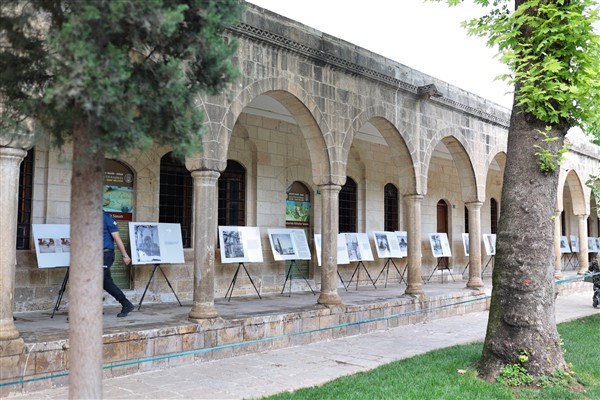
(434, 375)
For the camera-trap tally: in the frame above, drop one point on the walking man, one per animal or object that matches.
(111, 236)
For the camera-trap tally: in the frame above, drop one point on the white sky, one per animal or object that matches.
(421, 35)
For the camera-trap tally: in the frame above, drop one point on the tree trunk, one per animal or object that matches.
(85, 272)
(522, 314)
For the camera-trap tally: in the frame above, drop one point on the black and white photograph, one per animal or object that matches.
(574, 243)
(564, 245)
(145, 239)
(386, 244)
(402, 237)
(353, 247)
(489, 242)
(357, 245)
(240, 244)
(382, 245)
(155, 243)
(289, 244)
(52, 245)
(439, 245)
(465, 238)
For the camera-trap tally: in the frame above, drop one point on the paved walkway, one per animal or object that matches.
(262, 374)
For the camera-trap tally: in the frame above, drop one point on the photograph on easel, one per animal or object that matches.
(342, 253)
(564, 245)
(574, 243)
(155, 243)
(465, 238)
(52, 245)
(440, 247)
(489, 242)
(240, 244)
(289, 244)
(358, 246)
(387, 244)
(402, 237)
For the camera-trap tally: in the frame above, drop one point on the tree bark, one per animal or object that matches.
(522, 311)
(85, 271)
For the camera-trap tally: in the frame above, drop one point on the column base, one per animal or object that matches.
(12, 347)
(414, 289)
(329, 299)
(475, 283)
(8, 330)
(558, 275)
(203, 311)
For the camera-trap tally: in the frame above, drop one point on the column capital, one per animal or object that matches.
(330, 187)
(474, 204)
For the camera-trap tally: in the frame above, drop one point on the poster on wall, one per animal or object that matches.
(357, 246)
(297, 211)
(402, 237)
(240, 244)
(52, 244)
(439, 245)
(386, 244)
(564, 245)
(465, 238)
(489, 242)
(289, 244)
(574, 243)
(155, 243)
(342, 253)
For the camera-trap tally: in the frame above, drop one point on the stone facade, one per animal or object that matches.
(334, 110)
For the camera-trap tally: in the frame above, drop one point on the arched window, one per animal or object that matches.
(442, 217)
(176, 196)
(232, 195)
(25, 197)
(493, 216)
(466, 220)
(347, 206)
(390, 207)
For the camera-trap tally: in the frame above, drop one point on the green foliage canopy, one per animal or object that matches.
(132, 69)
(553, 55)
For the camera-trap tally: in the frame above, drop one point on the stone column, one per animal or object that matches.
(583, 244)
(205, 236)
(475, 281)
(329, 232)
(414, 286)
(557, 253)
(10, 160)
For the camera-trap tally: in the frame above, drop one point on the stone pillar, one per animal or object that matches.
(583, 244)
(414, 286)
(205, 236)
(10, 160)
(329, 232)
(475, 281)
(557, 253)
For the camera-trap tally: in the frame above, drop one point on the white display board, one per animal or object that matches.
(439, 245)
(574, 243)
(357, 246)
(240, 244)
(465, 238)
(155, 243)
(402, 237)
(289, 244)
(386, 244)
(52, 244)
(489, 242)
(342, 254)
(564, 245)
(593, 245)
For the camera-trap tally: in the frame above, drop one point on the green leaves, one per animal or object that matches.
(133, 69)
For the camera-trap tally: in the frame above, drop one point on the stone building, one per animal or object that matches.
(362, 142)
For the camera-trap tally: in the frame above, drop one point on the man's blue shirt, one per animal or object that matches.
(110, 226)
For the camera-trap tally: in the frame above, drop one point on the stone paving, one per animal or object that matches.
(268, 372)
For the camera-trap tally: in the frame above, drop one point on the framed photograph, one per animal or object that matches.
(574, 243)
(386, 244)
(564, 245)
(52, 245)
(289, 244)
(155, 243)
(489, 242)
(357, 246)
(342, 254)
(440, 247)
(402, 237)
(591, 245)
(240, 244)
(465, 238)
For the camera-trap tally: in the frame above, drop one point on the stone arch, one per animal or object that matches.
(461, 153)
(311, 122)
(398, 141)
(581, 204)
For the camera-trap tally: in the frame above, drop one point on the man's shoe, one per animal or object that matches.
(127, 308)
